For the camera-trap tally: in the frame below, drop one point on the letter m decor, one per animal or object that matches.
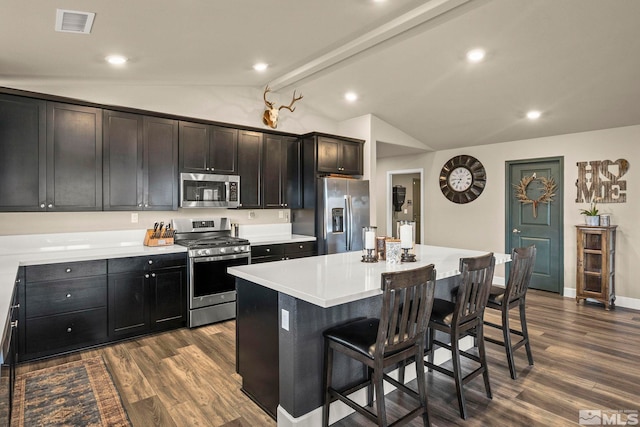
(600, 179)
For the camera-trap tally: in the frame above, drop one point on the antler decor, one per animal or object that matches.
(548, 188)
(270, 115)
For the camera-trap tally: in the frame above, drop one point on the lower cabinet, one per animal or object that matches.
(146, 294)
(63, 308)
(282, 251)
(71, 306)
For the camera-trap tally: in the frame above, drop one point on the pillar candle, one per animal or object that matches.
(370, 240)
(406, 237)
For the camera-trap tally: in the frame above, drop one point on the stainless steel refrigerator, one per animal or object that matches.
(342, 211)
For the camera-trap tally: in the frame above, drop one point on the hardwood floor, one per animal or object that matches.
(585, 358)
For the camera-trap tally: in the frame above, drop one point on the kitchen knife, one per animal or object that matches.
(155, 230)
(160, 229)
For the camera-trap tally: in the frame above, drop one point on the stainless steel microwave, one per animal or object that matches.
(203, 190)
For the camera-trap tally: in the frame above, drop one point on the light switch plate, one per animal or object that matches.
(134, 218)
(285, 320)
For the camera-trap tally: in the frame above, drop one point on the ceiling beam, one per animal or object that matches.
(405, 22)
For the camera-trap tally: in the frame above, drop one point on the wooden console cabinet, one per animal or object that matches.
(595, 276)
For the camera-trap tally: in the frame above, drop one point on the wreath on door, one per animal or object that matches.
(548, 188)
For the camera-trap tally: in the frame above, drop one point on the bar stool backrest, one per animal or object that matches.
(476, 274)
(406, 308)
(522, 263)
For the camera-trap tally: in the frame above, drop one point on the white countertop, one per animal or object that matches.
(330, 280)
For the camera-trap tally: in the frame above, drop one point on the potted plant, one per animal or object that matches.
(591, 216)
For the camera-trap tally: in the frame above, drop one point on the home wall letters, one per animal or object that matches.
(600, 180)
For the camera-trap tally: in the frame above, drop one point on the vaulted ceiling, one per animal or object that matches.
(577, 61)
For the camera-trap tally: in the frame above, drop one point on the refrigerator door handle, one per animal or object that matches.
(348, 221)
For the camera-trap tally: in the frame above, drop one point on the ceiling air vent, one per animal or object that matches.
(72, 21)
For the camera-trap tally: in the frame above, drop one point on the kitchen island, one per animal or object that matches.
(283, 307)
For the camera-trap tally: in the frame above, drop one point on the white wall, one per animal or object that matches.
(480, 224)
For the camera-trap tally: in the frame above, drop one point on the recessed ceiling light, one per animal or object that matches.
(351, 96)
(475, 55)
(534, 115)
(260, 66)
(116, 59)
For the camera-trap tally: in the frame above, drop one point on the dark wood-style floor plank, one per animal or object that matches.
(585, 358)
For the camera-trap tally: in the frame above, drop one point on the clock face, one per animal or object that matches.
(462, 179)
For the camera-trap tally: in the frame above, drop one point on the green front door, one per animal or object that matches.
(531, 221)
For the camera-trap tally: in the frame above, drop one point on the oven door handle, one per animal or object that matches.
(220, 257)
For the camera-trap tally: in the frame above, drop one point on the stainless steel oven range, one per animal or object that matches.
(212, 291)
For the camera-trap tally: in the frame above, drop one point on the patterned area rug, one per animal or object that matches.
(79, 393)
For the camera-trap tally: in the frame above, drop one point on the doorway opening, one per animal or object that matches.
(412, 207)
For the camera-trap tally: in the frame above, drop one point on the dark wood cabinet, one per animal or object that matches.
(250, 169)
(74, 158)
(339, 156)
(595, 276)
(146, 294)
(51, 156)
(281, 178)
(9, 357)
(23, 153)
(282, 251)
(140, 162)
(63, 308)
(208, 149)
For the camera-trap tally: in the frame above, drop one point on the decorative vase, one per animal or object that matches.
(593, 220)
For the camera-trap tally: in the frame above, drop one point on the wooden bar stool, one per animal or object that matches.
(396, 336)
(463, 317)
(522, 263)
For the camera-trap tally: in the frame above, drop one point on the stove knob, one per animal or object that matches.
(223, 250)
(236, 249)
(203, 252)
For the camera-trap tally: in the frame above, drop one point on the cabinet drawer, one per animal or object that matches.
(268, 251)
(142, 263)
(53, 334)
(299, 247)
(65, 270)
(47, 298)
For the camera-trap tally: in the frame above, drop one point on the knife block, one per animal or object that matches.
(151, 240)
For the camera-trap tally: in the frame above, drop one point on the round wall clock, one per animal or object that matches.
(462, 179)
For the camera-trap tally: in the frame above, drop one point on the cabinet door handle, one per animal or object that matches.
(153, 274)
(14, 324)
(68, 330)
(268, 250)
(16, 306)
(146, 276)
(139, 205)
(68, 270)
(68, 295)
(50, 205)
(150, 261)
(42, 205)
(301, 246)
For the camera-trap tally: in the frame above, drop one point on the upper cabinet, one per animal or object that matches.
(208, 149)
(338, 155)
(281, 178)
(74, 158)
(51, 156)
(140, 162)
(23, 153)
(250, 169)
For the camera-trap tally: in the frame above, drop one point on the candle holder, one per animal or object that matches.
(369, 244)
(406, 256)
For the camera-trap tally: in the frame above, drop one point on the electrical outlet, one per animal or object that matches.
(286, 216)
(280, 214)
(134, 218)
(252, 215)
(285, 320)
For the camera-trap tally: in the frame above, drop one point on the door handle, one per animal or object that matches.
(516, 231)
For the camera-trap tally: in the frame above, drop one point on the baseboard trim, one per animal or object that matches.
(626, 302)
